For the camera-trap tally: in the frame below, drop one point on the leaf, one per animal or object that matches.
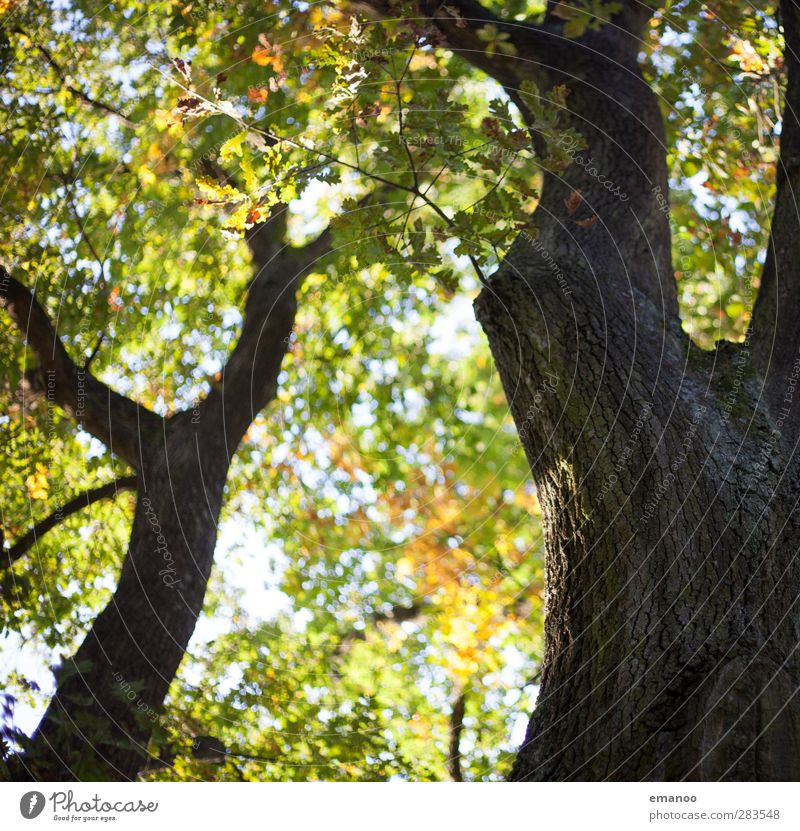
(586, 223)
(217, 192)
(573, 201)
(114, 300)
(190, 106)
(255, 215)
(496, 40)
(184, 68)
(453, 12)
(356, 33)
(268, 54)
(238, 222)
(404, 568)
(258, 95)
(232, 147)
(37, 483)
(261, 56)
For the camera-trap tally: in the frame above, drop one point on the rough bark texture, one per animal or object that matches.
(667, 476)
(669, 509)
(111, 692)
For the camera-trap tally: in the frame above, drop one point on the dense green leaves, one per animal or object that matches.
(380, 554)
(398, 569)
(717, 68)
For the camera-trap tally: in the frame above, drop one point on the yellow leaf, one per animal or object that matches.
(237, 221)
(232, 147)
(216, 192)
(748, 59)
(37, 484)
(146, 176)
(404, 568)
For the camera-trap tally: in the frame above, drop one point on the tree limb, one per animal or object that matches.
(114, 419)
(459, 24)
(536, 48)
(456, 728)
(84, 500)
(250, 377)
(775, 327)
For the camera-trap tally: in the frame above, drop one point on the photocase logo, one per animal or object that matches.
(31, 804)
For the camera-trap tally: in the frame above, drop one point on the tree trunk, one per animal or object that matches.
(669, 510)
(110, 693)
(666, 477)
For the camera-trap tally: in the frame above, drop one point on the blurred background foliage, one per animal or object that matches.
(378, 587)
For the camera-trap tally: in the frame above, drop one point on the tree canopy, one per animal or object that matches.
(377, 601)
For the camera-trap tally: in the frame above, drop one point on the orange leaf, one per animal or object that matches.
(587, 223)
(255, 215)
(261, 56)
(258, 94)
(573, 201)
(268, 54)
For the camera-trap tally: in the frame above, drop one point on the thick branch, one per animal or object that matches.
(775, 328)
(536, 48)
(460, 22)
(114, 419)
(250, 377)
(87, 498)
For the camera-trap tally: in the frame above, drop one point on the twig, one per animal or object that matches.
(79, 93)
(456, 728)
(87, 498)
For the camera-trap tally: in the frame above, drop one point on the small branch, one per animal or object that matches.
(117, 421)
(79, 93)
(101, 262)
(401, 125)
(456, 728)
(87, 498)
(93, 354)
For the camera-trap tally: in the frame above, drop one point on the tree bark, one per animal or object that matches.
(669, 508)
(667, 475)
(110, 694)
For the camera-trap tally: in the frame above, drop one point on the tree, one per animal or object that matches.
(671, 621)
(111, 256)
(665, 471)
